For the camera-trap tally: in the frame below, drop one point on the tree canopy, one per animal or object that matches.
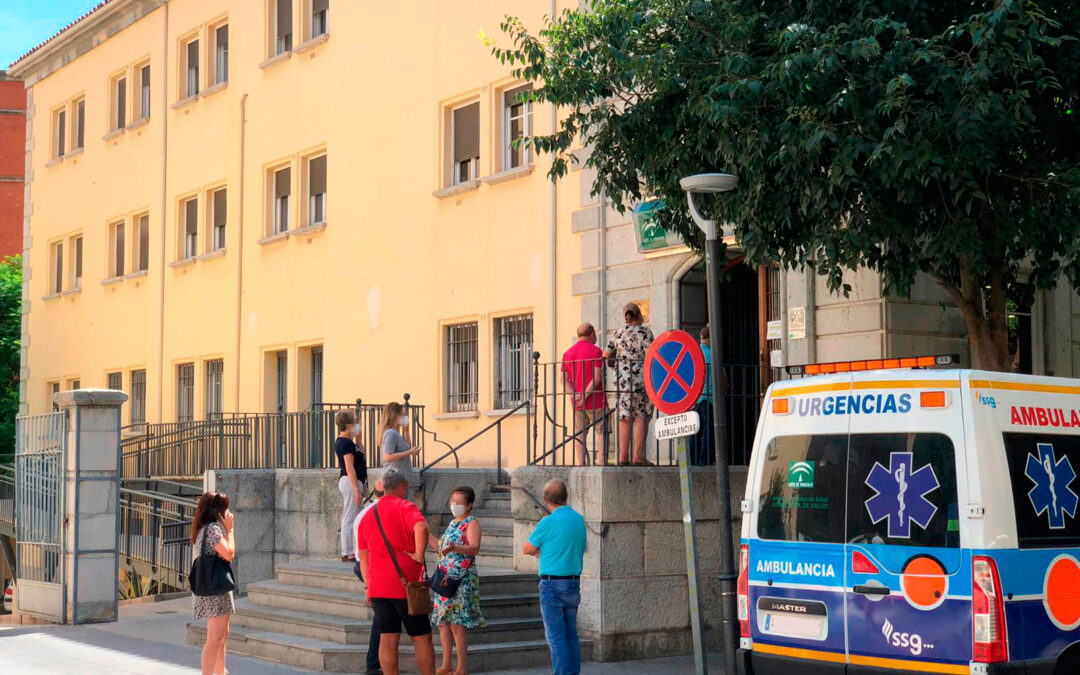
(907, 136)
(10, 334)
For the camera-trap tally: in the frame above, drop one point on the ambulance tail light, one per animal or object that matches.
(743, 590)
(874, 364)
(860, 564)
(989, 641)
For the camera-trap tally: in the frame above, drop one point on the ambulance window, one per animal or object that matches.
(802, 489)
(1045, 488)
(902, 490)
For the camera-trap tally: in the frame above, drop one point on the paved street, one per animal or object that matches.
(149, 638)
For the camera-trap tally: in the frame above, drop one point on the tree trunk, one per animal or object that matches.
(988, 333)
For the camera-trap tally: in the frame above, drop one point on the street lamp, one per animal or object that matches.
(701, 184)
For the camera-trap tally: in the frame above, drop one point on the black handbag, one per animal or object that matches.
(210, 573)
(444, 584)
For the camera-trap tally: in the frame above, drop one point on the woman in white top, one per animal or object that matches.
(394, 445)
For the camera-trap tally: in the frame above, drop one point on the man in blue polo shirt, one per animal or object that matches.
(559, 542)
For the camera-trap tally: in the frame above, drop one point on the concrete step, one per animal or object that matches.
(344, 631)
(498, 537)
(348, 604)
(338, 576)
(324, 656)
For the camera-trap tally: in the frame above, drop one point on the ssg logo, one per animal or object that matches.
(913, 642)
(1051, 493)
(901, 494)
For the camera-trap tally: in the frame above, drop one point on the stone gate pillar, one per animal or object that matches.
(91, 518)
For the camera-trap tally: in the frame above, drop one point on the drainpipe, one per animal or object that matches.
(240, 252)
(164, 184)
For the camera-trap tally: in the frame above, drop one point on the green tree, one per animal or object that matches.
(905, 136)
(10, 333)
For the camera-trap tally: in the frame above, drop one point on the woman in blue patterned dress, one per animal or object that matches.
(458, 547)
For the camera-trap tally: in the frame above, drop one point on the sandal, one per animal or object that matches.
(444, 671)
(348, 558)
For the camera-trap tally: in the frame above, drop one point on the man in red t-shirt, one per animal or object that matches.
(583, 376)
(407, 531)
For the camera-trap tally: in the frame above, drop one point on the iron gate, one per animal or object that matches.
(40, 445)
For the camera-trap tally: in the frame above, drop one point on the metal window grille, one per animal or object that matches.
(138, 397)
(215, 391)
(221, 56)
(319, 11)
(193, 68)
(220, 202)
(316, 376)
(518, 124)
(462, 372)
(513, 346)
(120, 114)
(283, 13)
(115, 381)
(144, 92)
(185, 392)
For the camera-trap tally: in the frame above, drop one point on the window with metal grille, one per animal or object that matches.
(115, 381)
(138, 397)
(517, 123)
(215, 391)
(461, 363)
(465, 137)
(191, 68)
(281, 397)
(282, 185)
(513, 347)
(316, 375)
(219, 203)
(191, 228)
(319, 11)
(221, 54)
(185, 392)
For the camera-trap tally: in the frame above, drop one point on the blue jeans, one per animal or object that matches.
(559, 600)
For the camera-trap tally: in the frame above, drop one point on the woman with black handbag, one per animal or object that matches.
(456, 582)
(212, 580)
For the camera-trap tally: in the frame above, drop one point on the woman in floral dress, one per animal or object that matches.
(212, 534)
(628, 347)
(458, 547)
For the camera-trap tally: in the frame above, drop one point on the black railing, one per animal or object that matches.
(497, 427)
(7, 493)
(155, 535)
(569, 429)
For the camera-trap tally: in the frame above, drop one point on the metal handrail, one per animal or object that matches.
(583, 433)
(434, 437)
(495, 424)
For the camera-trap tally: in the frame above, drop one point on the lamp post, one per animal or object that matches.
(713, 183)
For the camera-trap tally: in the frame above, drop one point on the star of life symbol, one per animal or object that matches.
(901, 494)
(1051, 493)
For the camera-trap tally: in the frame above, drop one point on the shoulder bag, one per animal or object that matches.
(417, 593)
(210, 573)
(444, 584)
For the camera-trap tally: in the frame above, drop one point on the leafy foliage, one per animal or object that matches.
(907, 136)
(10, 334)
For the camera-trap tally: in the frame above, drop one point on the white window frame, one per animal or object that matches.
(508, 116)
(189, 241)
(315, 21)
(220, 56)
(78, 123)
(118, 108)
(280, 206)
(60, 131)
(190, 76)
(281, 44)
(76, 244)
(474, 163)
(117, 261)
(56, 267)
(314, 201)
(216, 232)
(138, 240)
(140, 73)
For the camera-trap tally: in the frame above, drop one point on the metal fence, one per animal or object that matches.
(7, 493)
(295, 440)
(571, 429)
(155, 535)
(40, 442)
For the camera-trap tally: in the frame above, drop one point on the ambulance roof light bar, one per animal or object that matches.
(875, 364)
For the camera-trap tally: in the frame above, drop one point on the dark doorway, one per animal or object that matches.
(742, 359)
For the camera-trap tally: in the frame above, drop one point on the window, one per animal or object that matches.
(116, 250)
(316, 376)
(141, 247)
(75, 384)
(215, 391)
(191, 68)
(794, 509)
(114, 381)
(282, 21)
(138, 397)
(185, 392)
(118, 99)
(56, 256)
(143, 109)
(221, 54)
(219, 205)
(282, 184)
(319, 11)
(317, 190)
(76, 265)
(465, 143)
(281, 381)
(513, 349)
(517, 124)
(190, 241)
(461, 371)
(59, 132)
(1041, 467)
(54, 389)
(80, 124)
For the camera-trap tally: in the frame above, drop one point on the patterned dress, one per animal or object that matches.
(210, 605)
(630, 344)
(464, 608)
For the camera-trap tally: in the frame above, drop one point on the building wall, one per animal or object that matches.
(12, 163)
(375, 287)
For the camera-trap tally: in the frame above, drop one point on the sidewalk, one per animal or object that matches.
(149, 638)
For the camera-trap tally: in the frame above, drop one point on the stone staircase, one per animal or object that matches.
(311, 615)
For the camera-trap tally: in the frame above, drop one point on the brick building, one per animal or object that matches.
(12, 162)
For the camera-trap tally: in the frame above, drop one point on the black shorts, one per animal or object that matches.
(391, 614)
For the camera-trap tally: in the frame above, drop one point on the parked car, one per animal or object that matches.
(9, 597)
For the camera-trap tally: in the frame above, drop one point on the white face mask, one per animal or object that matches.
(403, 421)
(458, 510)
(355, 429)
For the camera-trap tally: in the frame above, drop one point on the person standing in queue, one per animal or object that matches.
(352, 466)
(559, 542)
(394, 446)
(628, 347)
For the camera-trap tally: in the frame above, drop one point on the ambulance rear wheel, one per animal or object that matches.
(1069, 661)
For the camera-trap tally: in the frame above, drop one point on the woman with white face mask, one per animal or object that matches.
(353, 474)
(458, 548)
(396, 449)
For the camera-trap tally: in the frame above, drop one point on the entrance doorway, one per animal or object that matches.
(742, 359)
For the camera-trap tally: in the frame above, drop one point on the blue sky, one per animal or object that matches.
(25, 23)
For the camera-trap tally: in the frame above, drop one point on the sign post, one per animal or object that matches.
(674, 379)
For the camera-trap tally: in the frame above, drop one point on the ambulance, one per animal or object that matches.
(901, 517)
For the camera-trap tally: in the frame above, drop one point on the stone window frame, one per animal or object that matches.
(213, 78)
(111, 261)
(119, 114)
(183, 254)
(305, 221)
(184, 91)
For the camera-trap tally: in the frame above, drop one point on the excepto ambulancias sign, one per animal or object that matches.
(675, 426)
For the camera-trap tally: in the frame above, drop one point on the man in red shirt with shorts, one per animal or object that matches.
(408, 534)
(583, 376)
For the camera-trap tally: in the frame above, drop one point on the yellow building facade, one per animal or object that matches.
(256, 205)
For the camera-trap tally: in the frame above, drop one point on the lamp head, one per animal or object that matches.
(709, 183)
